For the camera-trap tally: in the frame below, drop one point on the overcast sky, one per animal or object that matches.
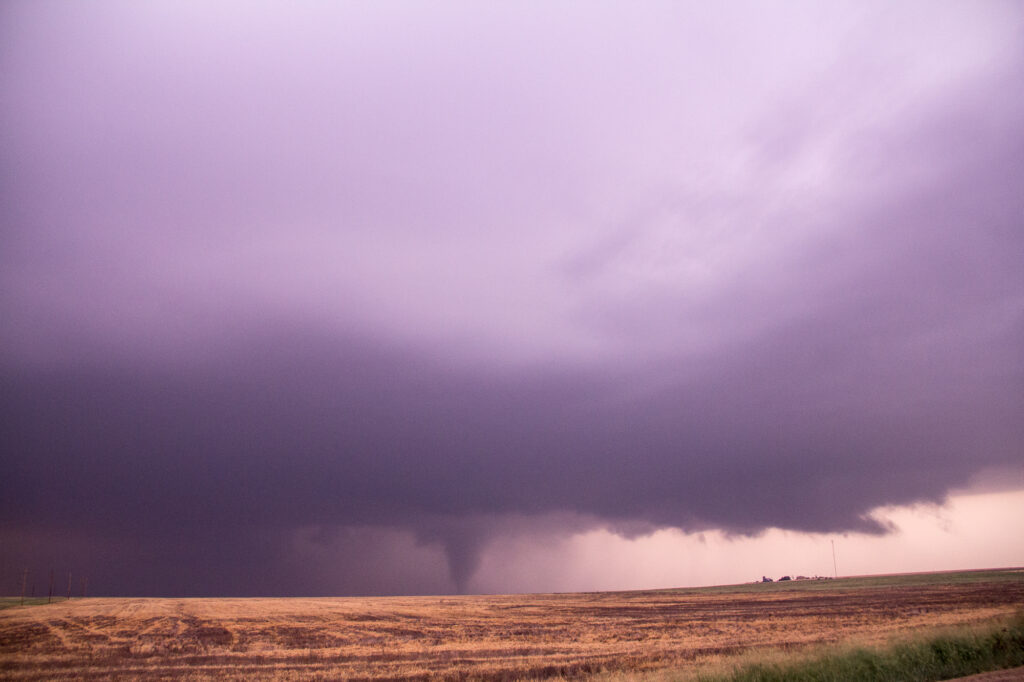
(338, 298)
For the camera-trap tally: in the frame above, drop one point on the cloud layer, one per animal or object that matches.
(392, 280)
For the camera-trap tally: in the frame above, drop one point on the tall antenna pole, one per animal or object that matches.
(49, 597)
(835, 569)
(24, 579)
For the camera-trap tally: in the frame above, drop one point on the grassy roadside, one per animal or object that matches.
(938, 655)
(941, 657)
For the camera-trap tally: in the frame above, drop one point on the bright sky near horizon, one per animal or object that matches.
(338, 298)
(973, 530)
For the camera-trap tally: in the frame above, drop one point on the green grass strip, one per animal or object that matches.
(939, 657)
(11, 602)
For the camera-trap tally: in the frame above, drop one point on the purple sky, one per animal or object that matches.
(326, 298)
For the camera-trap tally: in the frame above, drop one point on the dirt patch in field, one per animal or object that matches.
(1011, 675)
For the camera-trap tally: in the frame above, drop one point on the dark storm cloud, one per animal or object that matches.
(273, 292)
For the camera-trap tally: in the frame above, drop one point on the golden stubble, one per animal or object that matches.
(474, 637)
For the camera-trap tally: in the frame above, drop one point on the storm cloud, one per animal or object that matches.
(371, 285)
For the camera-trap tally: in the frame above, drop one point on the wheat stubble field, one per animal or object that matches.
(480, 637)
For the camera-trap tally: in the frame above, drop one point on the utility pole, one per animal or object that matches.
(69, 585)
(49, 597)
(24, 579)
(835, 569)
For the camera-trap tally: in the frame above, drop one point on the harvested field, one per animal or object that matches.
(479, 637)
